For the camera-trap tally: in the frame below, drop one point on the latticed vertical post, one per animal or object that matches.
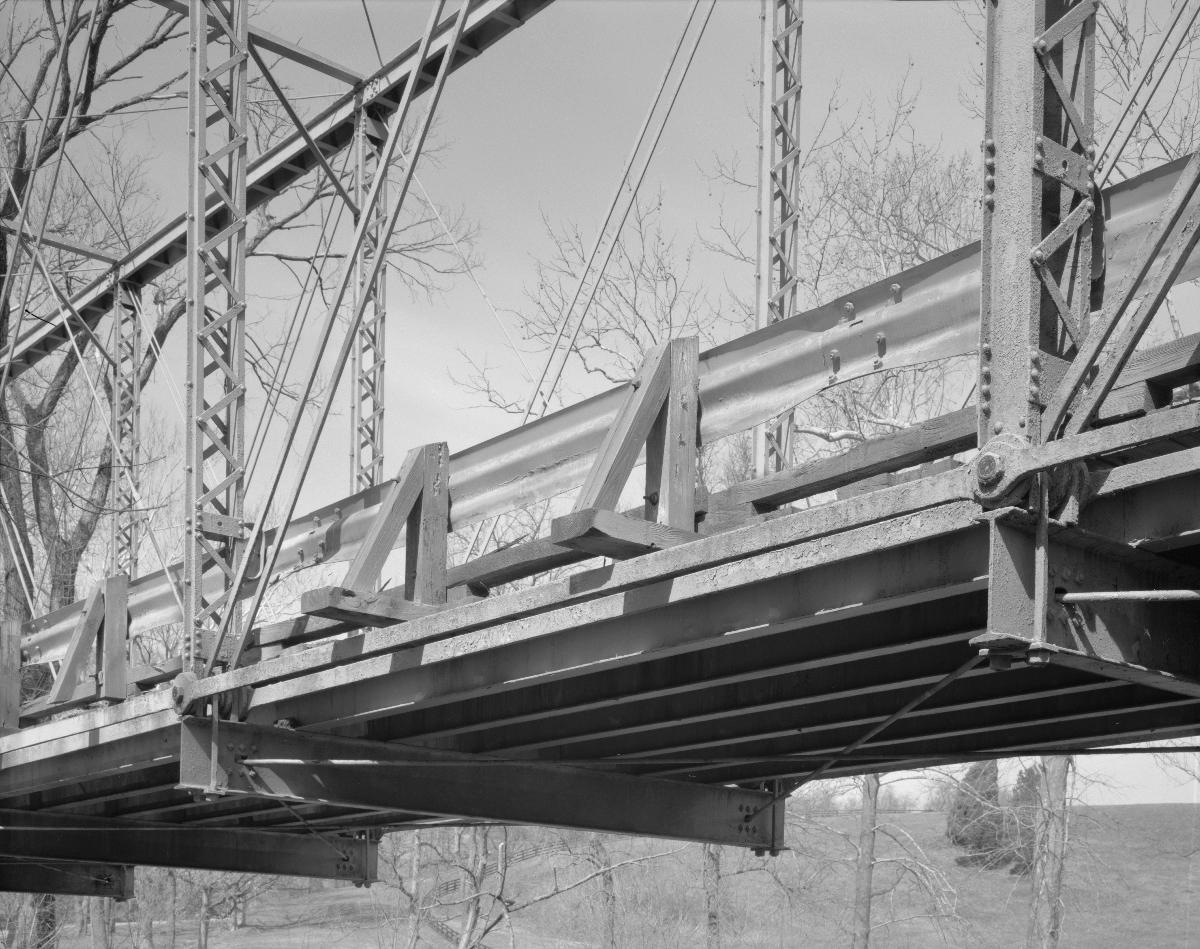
(126, 426)
(216, 308)
(1038, 206)
(1036, 258)
(367, 379)
(779, 193)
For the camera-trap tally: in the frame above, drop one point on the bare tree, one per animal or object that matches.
(865, 865)
(710, 855)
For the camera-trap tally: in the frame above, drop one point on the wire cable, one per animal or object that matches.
(1155, 62)
(323, 336)
(622, 184)
(371, 28)
(469, 267)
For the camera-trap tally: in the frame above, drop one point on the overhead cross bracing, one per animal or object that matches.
(736, 647)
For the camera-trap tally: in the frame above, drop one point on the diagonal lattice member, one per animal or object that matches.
(215, 473)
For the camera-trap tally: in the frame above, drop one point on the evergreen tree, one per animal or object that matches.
(975, 821)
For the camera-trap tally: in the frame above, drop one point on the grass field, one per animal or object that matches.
(1132, 881)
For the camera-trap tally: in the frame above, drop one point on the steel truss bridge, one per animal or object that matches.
(1040, 599)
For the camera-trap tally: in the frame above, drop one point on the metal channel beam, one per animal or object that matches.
(488, 22)
(979, 695)
(1160, 635)
(274, 762)
(860, 655)
(866, 569)
(64, 837)
(1121, 721)
(742, 383)
(66, 877)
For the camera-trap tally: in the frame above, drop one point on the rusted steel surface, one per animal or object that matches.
(933, 315)
(758, 654)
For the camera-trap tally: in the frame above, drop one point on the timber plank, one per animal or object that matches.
(356, 606)
(10, 675)
(927, 441)
(602, 533)
(673, 442)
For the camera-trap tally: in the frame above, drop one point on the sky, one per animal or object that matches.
(538, 128)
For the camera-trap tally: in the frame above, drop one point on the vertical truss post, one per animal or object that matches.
(126, 426)
(1039, 163)
(779, 194)
(1036, 281)
(216, 388)
(367, 373)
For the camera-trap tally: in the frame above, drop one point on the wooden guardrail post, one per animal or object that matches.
(10, 675)
(660, 413)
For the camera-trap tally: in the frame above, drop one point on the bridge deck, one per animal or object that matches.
(766, 652)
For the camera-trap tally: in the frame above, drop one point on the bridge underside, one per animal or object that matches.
(865, 634)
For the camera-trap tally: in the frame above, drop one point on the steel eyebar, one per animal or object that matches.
(1004, 465)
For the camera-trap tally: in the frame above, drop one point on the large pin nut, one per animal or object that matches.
(996, 469)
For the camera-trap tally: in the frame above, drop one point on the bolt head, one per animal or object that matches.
(990, 468)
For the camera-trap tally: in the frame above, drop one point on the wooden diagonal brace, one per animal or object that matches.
(661, 413)
(419, 502)
(83, 640)
(102, 632)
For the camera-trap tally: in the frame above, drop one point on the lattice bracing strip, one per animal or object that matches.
(369, 357)
(783, 76)
(215, 467)
(126, 426)
(783, 30)
(1039, 183)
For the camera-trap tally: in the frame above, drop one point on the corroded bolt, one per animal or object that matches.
(1038, 257)
(990, 469)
